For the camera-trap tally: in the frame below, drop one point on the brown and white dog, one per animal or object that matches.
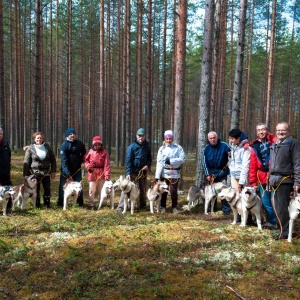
(6, 192)
(25, 191)
(154, 194)
(211, 193)
(107, 192)
(131, 193)
(294, 210)
(72, 189)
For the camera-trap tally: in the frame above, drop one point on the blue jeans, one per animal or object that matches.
(62, 180)
(267, 204)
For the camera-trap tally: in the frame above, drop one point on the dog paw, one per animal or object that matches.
(233, 223)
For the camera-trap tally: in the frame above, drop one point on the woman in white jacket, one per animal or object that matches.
(240, 158)
(170, 157)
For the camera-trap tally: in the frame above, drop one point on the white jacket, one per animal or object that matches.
(240, 162)
(177, 157)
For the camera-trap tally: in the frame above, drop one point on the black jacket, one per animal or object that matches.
(5, 155)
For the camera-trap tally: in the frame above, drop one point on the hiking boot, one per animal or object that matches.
(163, 210)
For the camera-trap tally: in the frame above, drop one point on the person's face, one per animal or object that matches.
(97, 146)
(72, 136)
(1, 135)
(39, 140)
(169, 140)
(234, 141)
(261, 131)
(282, 132)
(140, 138)
(212, 138)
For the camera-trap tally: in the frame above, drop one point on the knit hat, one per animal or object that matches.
(97, 140)
(69, 131)
(169, 134)
(141, 131)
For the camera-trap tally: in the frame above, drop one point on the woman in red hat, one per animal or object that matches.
(97, 164)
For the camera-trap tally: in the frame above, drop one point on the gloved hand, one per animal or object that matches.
(167, 161)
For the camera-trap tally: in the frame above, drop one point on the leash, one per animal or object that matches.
(99, 177)
(71, 175)
(172, 172)
(140, 175)
(47, 174)
(213, 177)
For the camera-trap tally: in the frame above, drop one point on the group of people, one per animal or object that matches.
(270, 163)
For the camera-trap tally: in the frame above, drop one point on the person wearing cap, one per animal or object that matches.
(240, 159)
(72, 152)
(215, 164)
(97, 163)
(138, 163)
(170, 157)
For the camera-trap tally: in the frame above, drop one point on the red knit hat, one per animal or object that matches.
(97, 139)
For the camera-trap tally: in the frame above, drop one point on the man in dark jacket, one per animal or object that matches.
(72, 152)
(138, 162)
(5, 156)
(259, 169)
(215, 163)
(284, 174)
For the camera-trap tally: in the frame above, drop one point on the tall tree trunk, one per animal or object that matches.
(271, 64)
(180, 71)
(238, 76)
(205, 90)
(101, 71)
(2, 99)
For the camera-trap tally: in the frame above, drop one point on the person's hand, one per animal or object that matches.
(208, 178)
(167, 161)
(240, 187)
(52, 175)
(296, 189)
(145, 168)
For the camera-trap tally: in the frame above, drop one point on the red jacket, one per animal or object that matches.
(258, 173)
(97, 164)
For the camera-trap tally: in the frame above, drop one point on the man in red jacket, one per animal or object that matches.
(259, 169)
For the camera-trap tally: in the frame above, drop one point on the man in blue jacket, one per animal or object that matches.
(138, 162)
(72, 152)
(215, 163)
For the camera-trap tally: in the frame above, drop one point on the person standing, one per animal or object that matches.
(240, 159)
(215, 163)
(5, 159)
(170, 157)
(40, 161)
(284, 175)
(72, 152)
(259, 169)
(97, 163)
(138, 163)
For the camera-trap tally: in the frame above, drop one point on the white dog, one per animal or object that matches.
(118, 182)
(211, 193)
(235, 201)
(155, 193)
(72, 189)
(251, 203)
(131, 193)
(107, 192)
(6, 192)
(25, 191)
(195, 196)
(294, 210)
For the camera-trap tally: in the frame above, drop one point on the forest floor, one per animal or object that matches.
(84, 254)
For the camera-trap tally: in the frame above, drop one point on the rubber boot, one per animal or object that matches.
(38, 202)
(47, 201)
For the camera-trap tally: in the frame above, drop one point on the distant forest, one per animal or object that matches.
(108, 67)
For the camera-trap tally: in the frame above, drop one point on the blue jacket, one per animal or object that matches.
(215, 159)
(5, 155)
(137, 156)
(71, 153)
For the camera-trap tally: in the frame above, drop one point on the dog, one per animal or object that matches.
(294, 210)
(25, 191)
(107, 192)
(72, 189)
(131, 193)
(6, 192)
(251, 203)
(116, 185)
(154, 194)
(211, 193)
(195, 196)
(235, 201)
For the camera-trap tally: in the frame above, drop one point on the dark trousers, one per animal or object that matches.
(45, 181)
(225, 205)
(62, 180)
(173, 187)
(280, 203)
(142, 182)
